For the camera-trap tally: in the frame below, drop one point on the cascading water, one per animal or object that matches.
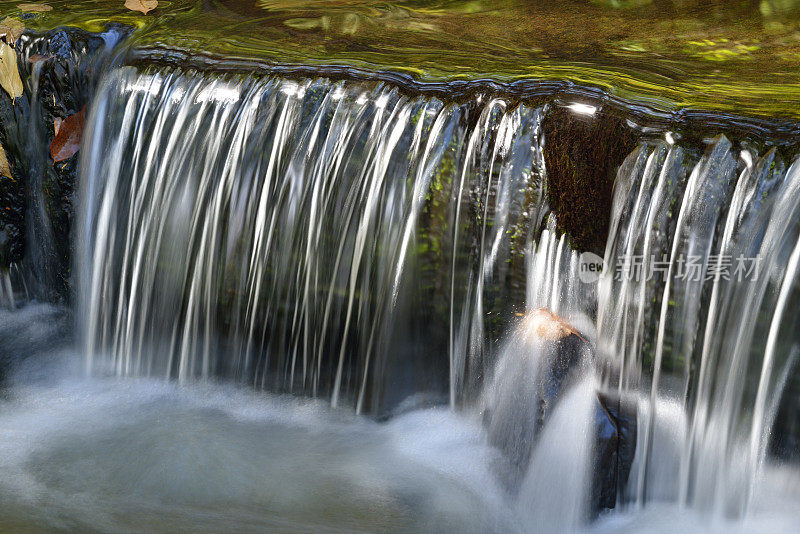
(554, 281)
(304, 236)
(6, 292)
(12, 288)
(322, 222)
(700, 265)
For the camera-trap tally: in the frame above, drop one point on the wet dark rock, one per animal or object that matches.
(60, 70)
(547, 357)
(614, 448)
(12, 188)
(542, 360)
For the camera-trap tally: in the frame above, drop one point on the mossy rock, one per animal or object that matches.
(582, 154)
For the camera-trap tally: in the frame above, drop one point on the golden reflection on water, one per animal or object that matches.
(740, 56)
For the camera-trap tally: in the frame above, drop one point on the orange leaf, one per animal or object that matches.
(145, 6)
(67, 141)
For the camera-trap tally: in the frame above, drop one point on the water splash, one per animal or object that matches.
(555, 492)
(539, 403)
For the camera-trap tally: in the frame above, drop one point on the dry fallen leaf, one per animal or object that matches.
(34, 7)
(9, 74)
(57, 122)
(38, 58)
(5, 170)
(11, 29)
(145, 6)
(67, 141)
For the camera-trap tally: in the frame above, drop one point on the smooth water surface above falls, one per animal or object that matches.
(732, 55)
(316, 305)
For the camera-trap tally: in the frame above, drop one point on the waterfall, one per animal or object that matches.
(304, 235)
(693, 315)
(6, 291)
(554, 281)
(359, 243)
(556, 488)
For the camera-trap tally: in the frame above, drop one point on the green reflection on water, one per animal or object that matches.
(738, 56)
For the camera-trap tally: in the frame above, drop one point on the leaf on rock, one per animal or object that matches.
(67, 141)
(5, 170)
(11, 29)
(34, 7)
(145, 6)
(38, 58)
(9, 74)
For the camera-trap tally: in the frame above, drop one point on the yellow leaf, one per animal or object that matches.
(145, 6)
(5, 170)
(34, 7)
(9, 74)
(11, 29)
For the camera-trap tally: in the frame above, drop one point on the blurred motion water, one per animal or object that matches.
(702, 350)
(377, 252)
(312, 243)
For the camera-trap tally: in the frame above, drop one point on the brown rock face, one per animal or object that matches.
(582, 155)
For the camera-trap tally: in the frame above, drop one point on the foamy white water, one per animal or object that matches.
(144, 455)
(122, 454)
